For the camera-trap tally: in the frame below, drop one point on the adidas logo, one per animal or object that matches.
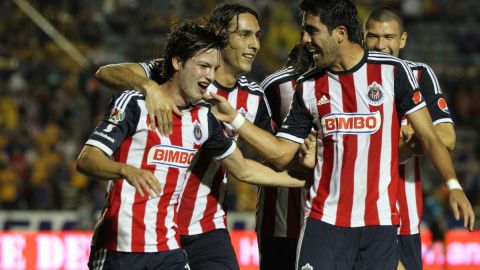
(323, 100)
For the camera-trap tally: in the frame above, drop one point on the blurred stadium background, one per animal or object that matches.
(50, 100)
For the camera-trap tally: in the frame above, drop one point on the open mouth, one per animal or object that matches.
(203, 87)
(249, 56)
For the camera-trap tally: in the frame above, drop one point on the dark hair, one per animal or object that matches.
(385, 14)
(187, 39)
(223, 14)
(300, 58)
(335, 13)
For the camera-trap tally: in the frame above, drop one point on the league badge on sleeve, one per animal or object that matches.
(375, 94)
(417, 97)
(442, 104)
(117, 115)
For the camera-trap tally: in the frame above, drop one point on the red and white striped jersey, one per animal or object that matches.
(280, 211)
(359, 113)
(130, 222)
(410, 201)
(202, 206)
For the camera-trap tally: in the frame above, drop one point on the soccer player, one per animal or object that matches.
(138, 227)
(356, 98)
(202, 213)
(384, 32)
(280, 211)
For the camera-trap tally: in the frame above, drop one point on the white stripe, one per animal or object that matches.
(146, 69)
(286, 72)
(443, 120)
(386, 57)
(101, 146)
(363, 145)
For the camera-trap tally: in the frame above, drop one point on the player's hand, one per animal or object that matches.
(221, 108)
(160, 107)
(144, 181)
(461, 205)
(406, 133)
(307, 155)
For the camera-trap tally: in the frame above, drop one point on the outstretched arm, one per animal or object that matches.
(252, 172)
(95, 163)
(132, 76)
(440, 158)
(276, 150)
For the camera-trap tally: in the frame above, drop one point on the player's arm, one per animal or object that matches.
(440, 158)
(277, 151)
(135, 76)
(95, 163)
(252, 172)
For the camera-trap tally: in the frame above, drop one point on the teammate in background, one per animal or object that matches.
(280, 211)
(384, 32)
(137, 229)
(202, 213)
(356, 98)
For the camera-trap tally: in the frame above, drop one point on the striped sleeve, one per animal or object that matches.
(432, 93)
(119, 122)
(408, 95)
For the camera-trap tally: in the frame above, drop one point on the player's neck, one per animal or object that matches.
(226, 76)
(174, 91)
(349, 56)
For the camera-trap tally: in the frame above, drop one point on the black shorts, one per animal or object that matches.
(103, 259)
(277, 252)
(325, 246)
(212, 250)
(410, 251)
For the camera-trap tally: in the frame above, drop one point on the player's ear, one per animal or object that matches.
(176, 63)
(341, 33)
(403, 40)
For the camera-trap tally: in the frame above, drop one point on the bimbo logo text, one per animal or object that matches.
(351, 123)
(170, 155)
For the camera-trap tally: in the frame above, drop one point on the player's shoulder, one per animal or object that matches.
(251, 86)
(280, 76)
(312, 74)
(128, 96)
(384, 58)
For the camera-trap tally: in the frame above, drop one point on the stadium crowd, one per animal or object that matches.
(49, 103)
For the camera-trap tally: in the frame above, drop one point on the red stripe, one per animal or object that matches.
(207, 223)
(108, 231)
(345, 200)
(394, 173)
(242, 98)
(402, 202)
(269, 210)
(374, 74)
(168, 190)
(294, 213)
(189, 196)
(323, 189)
(192, 184)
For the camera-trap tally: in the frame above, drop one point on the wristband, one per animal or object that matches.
(453, 184)
(237, 121)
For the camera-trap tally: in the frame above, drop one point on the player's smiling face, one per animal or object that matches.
(320, 42)
(384, 37)
(197, 73)
(243, 44)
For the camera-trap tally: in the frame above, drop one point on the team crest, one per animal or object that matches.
(307, 267)
(117, 115)
(443, 105)
(197, 130)
(375, 94)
